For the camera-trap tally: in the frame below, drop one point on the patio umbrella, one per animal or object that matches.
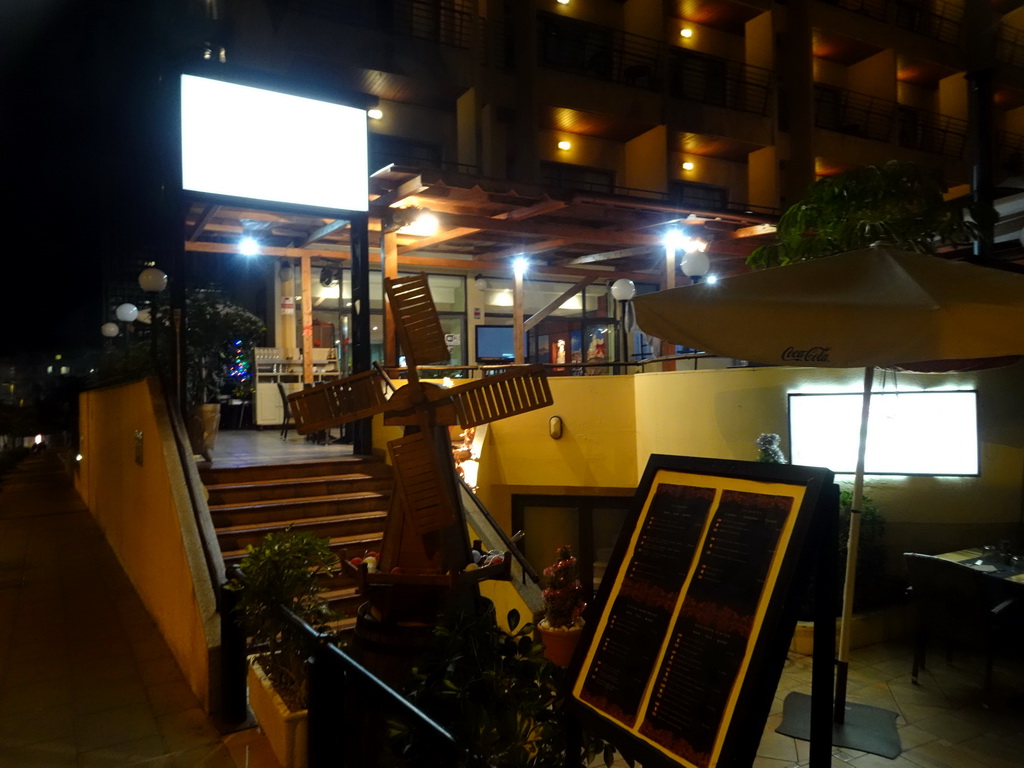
(875, 307)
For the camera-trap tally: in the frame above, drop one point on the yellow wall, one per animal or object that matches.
(875, 75)
(585, 150)
(144, 512)
(614, 424)
(646, 161)
(595, 455)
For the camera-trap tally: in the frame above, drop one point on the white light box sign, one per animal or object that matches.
(909, 433)
(245, 142)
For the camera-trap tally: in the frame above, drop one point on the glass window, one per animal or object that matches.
(588, 524)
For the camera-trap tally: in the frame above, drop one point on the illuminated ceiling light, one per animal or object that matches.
(375, 113)
(424, 225)
(564, 145)
(248, 246)
(502, 298)
(563, 2)
(519, 266)
(673, 239)
(688, 166)
(711, 279)
(686, 32)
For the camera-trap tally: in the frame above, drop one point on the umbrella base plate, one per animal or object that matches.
(869, 729)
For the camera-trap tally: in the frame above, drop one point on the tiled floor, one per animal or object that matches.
(87, 681)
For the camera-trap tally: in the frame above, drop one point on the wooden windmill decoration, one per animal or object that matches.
(425, 548)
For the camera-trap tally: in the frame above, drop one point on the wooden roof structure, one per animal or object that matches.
(484, 224)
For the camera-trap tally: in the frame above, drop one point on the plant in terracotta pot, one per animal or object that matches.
(563, 607)
(284, 570)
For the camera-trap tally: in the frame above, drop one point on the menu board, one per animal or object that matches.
(683, 607)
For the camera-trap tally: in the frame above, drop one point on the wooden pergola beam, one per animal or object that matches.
(553, 305)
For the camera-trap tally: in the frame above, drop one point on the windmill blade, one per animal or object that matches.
(338, 402)
(496, 397)
(416, 320)
(419, 475)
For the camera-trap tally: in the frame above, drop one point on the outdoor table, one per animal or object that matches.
(996, 564)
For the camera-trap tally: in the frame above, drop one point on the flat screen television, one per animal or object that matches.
(249, 143)
(495, 344)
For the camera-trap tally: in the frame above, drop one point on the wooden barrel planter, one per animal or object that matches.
(389, 650)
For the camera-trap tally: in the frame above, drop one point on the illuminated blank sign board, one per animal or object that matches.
(244, 142)
(909, 433)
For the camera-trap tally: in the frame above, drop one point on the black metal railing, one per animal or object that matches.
(611, 55)
(1010, 46)
(719, 82)
(942, 21)
(602, 53)
(1010, 148)
(873, 9)
(438, 21)
(931, 132)
(855, 114)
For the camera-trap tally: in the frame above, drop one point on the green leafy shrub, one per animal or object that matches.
(284, 570)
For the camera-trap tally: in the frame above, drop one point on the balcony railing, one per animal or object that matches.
(938, 21)
(931, 132)
(873, 9)
(712, 80)
(855, 114)
(611, 55)
(942, 21)
(1010, 46)
(599, 52)
(439, 21)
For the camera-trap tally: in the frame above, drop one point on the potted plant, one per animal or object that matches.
(494, 691)
(563, 608)
(216, 331)
(283, 570)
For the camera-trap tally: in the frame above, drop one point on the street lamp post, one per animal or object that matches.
(623, 291)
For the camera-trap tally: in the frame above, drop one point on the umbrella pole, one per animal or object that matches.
(843, 665)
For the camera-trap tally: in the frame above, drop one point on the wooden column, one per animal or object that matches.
(518, 326)
(307, 320)
(668, 348)
(287, 315)
(389, 260)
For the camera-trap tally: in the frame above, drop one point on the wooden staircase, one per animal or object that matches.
(345, 500)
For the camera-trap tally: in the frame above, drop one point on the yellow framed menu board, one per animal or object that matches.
(685, 645)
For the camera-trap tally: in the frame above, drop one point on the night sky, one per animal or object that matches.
(72, 79)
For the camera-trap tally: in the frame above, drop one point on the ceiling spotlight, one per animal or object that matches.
(375, 113)
(519, 266)
(248, 246)
(420, 222)
(564, 145)
(688, 166)
(686, 32)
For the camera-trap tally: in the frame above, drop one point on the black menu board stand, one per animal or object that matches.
(685, 644)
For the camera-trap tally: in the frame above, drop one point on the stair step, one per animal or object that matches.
(238, 536)
(285, 488)
(356, 543)
(258, 512)
(336, 466)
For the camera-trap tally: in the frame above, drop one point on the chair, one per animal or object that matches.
(962, 606)
(286, 412)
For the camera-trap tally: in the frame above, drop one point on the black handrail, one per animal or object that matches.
(331, 672)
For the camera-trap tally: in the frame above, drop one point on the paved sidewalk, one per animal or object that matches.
(86, 680)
